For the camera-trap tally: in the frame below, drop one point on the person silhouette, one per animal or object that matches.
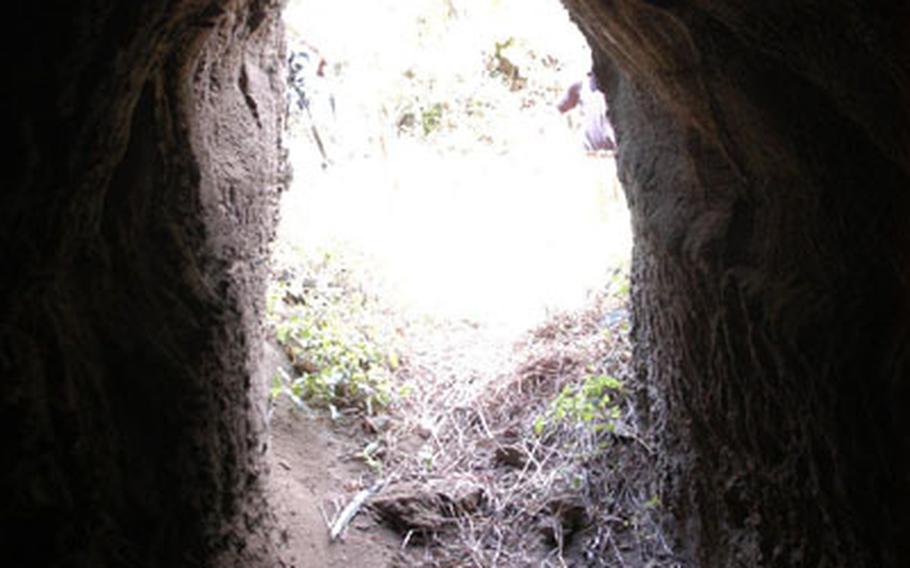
(587, 97)
(310, 93)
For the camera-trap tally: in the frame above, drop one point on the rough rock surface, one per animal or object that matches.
(764, 151)
(134, 227)
(428, 506)
(764, 154)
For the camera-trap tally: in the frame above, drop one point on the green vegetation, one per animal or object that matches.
(325, 323)
(431, 117)
(501, 65)
(592, 403)
(439, 75)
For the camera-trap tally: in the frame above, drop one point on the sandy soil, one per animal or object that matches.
(314, 467)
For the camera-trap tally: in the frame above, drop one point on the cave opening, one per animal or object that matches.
(450, 285)
(764, 158)
(430, 136)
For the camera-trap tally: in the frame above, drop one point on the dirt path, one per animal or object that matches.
(313, 467)
(315, 463)
(316, 472)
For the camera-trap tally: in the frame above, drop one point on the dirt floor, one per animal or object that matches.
(317, 464)
(315, 472)
(495, 458)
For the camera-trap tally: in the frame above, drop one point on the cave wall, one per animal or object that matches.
(764, 153)
(134, 223)
(763, 148)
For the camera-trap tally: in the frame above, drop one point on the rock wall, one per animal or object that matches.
(763, 148)
(764, 152)
(134, 226)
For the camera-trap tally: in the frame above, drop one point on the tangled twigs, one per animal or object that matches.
(576, 491)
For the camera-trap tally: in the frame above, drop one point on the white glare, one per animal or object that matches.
(498, 218)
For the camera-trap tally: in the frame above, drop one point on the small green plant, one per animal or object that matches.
(372, 457)
(592, 403)
(619, 284)
(431, 118)
(322, 321)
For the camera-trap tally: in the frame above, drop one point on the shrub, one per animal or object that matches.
(325, 323)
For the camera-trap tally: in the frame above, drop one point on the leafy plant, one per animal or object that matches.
(592, 403)
(322, 321)
(619, 284)
(431, 118)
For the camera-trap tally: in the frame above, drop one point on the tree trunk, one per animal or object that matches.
(763, 150)
(134, 224)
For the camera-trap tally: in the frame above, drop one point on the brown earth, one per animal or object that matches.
(315, 473)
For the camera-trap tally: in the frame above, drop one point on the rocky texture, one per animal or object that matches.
(134, 226)
(764, 153)
(428, 506)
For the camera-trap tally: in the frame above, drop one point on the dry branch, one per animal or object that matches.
(351, 509)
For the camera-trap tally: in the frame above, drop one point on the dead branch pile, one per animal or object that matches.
(490, 477)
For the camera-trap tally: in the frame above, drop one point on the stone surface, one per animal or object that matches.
(134, 231)
(763, 150)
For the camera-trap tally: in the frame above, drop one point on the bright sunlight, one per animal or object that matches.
(431, 145)
(449, 294)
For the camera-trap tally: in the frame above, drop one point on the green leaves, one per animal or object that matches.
(322, 321)
(539, 424)
(593, 403)
(431, 118)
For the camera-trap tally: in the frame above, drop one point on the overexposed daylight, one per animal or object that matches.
(431, 143)
(450, 280)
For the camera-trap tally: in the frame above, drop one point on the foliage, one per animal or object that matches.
(325, 323)
(501, 65)
(431, 118)
(619, 284)
(593, 403)
(436, 70)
